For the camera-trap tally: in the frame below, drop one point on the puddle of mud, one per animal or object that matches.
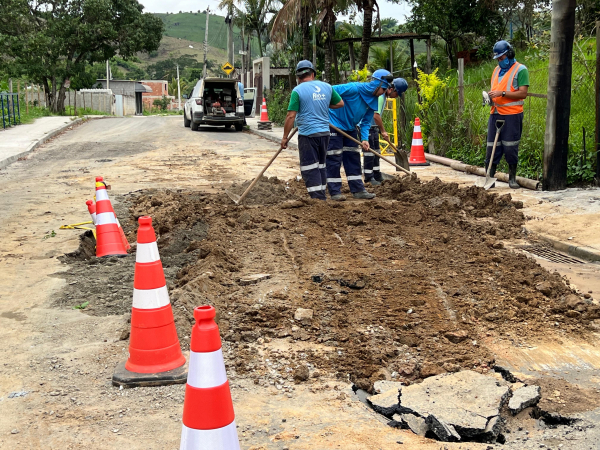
(15, 315)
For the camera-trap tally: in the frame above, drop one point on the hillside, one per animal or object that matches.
(172, 48)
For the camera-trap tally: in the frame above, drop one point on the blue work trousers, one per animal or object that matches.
(313, 151)
(371, 161)
(508, 141)
(342, 150)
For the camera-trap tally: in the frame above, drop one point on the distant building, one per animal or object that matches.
(158, 89)
(128, 95)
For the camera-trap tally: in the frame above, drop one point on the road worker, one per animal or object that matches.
(309, 108)
(360, 103)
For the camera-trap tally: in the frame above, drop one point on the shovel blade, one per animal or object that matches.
(486, 182)
(234, 197)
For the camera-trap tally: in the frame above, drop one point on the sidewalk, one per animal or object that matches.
(274, 135)
(20, 140)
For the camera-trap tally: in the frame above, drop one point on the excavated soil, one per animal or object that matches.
(406, 286)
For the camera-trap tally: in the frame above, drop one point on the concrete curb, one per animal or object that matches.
(269, 135)
(11, 159)
(582, 252)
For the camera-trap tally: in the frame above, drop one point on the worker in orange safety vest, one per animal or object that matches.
(510, 82)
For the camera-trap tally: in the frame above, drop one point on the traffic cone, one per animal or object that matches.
(208, 417)
(417, 152)
(155, 356)
(108, 237)
(121, 232)
(92, 210)
(264, 123)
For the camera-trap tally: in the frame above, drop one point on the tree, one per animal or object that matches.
(53, 41)
(452, 19)
(367, 7)
(162, 103)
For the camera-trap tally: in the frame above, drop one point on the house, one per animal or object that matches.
(128, 95)
(159, 88)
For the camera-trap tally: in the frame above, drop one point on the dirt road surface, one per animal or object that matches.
(373, 263)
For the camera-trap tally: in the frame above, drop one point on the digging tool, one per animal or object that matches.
(401, 156)
(489, 181)
(360, 145)
(238, 199)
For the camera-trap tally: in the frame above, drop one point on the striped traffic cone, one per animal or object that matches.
(417, 152)
(121, 232)
(264, 123)
(208, 417)
(108, 237)
(92, 210)
(155, 356)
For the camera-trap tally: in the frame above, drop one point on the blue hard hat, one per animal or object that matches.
(305, 66)
(384, 76)
(400, 85)
(501, 48)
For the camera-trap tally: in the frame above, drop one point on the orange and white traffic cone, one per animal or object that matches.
(92, 210)
(155, 356)
(208, 417)
(121, 232)
(264, 123)
(417, 152)
(108, 238)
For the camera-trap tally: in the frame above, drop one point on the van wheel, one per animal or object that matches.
(239, 127)
(195, 126)
(186, 122)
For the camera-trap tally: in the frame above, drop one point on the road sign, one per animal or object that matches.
(227, 68)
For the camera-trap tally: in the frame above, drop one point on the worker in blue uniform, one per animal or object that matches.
(360, 103)
(309, 109)
(371, 168)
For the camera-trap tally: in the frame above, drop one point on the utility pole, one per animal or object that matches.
(107, 75)
(558, 110)
(229, 21)
(178, 88)
(243, 58)
(205, 42)
(314, 61)
(597, 102)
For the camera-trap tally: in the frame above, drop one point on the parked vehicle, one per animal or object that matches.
(215, 101)
(250, 102)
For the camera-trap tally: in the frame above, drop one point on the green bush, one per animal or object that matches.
(278, 99)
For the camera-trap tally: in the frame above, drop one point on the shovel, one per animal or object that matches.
(401, 157)
(360, 145)
(489, 181)
(237, 199)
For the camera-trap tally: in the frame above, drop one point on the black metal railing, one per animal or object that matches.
(9, 105)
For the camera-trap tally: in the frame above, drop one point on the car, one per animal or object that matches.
(215, 101)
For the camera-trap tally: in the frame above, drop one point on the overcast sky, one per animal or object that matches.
(398, 12)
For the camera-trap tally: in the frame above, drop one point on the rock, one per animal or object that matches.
(456, 336)
(493, 429)
(382, 374)
(301, 373)
(429, 370)
(545, 288)
(356, 221)
(464, 401)
(498, 245)
(415, 424)
(302, 314)
(573, 314)
(442, 430)
(253, 279)
(523, 398)
(385, 403)
(124, 334)
(573, 301)
(385, 386)
(15, 431)
(289, 204)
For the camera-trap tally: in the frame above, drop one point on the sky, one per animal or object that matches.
(398, 12)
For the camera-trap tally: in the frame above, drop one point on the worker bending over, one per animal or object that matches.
(309, 108)
(510, 82)
(371, 168)
(360, 103)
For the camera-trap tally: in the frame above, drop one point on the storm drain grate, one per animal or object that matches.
(550, 254)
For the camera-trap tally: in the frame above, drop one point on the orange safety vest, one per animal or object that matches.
(505, 105)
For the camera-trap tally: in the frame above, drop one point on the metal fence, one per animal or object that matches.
(11, 112)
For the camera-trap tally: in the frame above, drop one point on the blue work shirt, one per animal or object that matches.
(313, 113)
(355, 110)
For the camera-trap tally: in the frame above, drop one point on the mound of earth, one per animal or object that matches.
(403, 287)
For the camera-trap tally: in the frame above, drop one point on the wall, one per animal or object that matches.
(159, 88)
(97, 99)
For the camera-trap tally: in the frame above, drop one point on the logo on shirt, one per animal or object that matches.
(317, 94)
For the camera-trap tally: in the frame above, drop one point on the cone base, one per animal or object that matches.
(125, 378)
(418, 164)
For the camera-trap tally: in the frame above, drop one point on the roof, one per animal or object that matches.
(387, 37)
(142, 88)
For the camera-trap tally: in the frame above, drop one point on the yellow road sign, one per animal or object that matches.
(227, 68)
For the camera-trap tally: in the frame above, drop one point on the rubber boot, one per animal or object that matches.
(492, 173)
(338, 197)
(374, 182)
(363, 195)
(512, 176)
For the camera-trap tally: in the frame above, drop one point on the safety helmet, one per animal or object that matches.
(400, 85)
(384, 77)
(305, 66)
(503, 48)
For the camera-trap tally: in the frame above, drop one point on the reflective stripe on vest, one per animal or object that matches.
(503, 105)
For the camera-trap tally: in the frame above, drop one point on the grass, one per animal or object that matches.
(160, 112)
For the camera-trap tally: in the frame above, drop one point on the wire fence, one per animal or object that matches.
(10, 107)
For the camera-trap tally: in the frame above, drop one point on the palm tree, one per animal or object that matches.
(367, 7)
(253, 16)
(380, 57)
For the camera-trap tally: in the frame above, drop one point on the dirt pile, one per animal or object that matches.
(268, 191)
(404, 287)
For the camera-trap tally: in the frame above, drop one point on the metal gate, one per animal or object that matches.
(258, 84)
(119, 105)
